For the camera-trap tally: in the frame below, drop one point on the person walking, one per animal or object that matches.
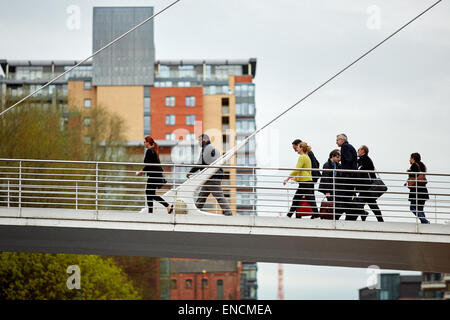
(305, 182)
(155, 175)
(349, 161)
(208, 155)
(418, 192)
(314, 163)
(330, 183)
(365, 181)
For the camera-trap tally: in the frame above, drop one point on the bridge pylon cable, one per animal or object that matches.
(228, 155)
(91, 56)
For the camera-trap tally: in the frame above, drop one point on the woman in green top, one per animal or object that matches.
(305, 181)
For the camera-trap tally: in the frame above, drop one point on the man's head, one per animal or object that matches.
(295, 144)
(335, 156)
(203, 139)
(340, 139)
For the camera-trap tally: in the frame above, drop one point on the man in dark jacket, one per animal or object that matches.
(365, 181)
(349, 161)
(208, 155)
(329, 182)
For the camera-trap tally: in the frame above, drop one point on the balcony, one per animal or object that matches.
(433, 285)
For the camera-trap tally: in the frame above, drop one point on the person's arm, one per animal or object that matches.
(195, 169)
(295, 173)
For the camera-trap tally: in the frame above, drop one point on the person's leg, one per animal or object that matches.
(202, 196)
(359, 206)
(150, 193)
(217, 192)
(297, 197)
(421, 213)
(311, 199)
(376, 210)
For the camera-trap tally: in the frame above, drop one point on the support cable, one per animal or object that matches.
(91, 56)
(244, 142)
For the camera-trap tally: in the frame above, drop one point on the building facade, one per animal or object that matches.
(172, 100)
(393, 286)
(436, 286)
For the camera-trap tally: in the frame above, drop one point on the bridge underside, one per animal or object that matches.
(389, 245)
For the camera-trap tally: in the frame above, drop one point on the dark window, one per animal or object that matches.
(173, 283)
(189, 284)
(219, 289)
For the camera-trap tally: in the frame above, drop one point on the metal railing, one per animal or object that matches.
(83, 185)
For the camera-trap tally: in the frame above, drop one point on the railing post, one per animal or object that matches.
(334, 198)
(417, 203)
(435, 210)
(8, 194)
(76, 195)
(175, 200)
(20, 188)
(96, 189)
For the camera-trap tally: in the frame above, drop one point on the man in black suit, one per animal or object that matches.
(349, 160)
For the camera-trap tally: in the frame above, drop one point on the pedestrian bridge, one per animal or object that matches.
(94, 208)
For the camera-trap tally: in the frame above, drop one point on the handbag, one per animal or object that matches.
(420, 181)
(377, 187)
(326, 209)
(303, 209)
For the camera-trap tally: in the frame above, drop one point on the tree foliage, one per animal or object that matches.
(30, 276)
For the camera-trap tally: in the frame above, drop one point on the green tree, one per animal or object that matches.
(30, 276)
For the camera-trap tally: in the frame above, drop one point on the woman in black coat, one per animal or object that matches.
(155, 175)
(418, 193)
(364, 182)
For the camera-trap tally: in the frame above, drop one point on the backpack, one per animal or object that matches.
(315, 165)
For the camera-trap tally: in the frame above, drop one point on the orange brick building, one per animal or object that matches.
(204, 279)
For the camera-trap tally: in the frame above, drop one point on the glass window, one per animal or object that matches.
(190, 101)
(170, 136)
(170, 101)
(190, 137)
(87, 140)
(189, 284)
(186, 71)
(87, 122)
(87, 103)
(219, 289)
(170, 120)
(190, 120)
(87, 85)
(204, 283)
(146, 125)
(146, 105)
(164, 71)
(173, 283)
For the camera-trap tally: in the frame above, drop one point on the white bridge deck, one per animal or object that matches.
(389, 245)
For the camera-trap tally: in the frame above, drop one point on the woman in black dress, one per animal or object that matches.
(155, 175)
(418, 192)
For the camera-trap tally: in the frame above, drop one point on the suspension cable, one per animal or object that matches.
(244, 142)
(91, 56)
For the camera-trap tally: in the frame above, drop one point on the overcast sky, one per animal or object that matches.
(396, 100)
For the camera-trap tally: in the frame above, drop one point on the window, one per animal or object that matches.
(170, 101)
(189, 284)
(184, 83)
(164, 71)
(87, 85)
(170, 136)
(87, 122)
(170, 120)
(204, 283)
(186, 71)
(190, 101)
(147, 106)
(190, 120)
(173, 283)
(87, 140)
(219, 289)
(190, 137)
(87, 103)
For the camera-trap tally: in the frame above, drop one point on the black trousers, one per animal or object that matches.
(372, 203)
(305, 189)
(150, 192)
